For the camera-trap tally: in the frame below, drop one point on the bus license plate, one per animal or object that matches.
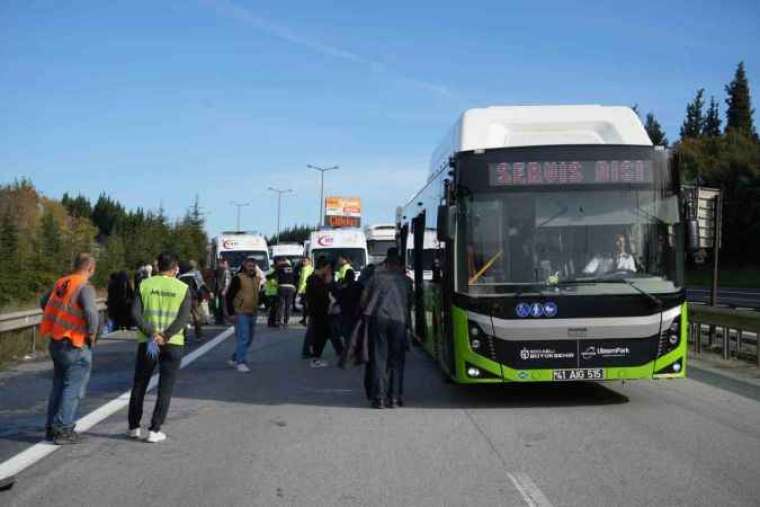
(579, 374)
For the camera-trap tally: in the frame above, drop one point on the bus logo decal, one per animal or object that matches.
(536, 310)
(523, 310)
(325, 241)
(550, 309)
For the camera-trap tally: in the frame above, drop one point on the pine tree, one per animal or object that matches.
(739, 111)
(654, 130)
(694, 123)
(106, 215)
(711, 127)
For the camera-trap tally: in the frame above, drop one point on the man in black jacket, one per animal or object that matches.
(318, 296)
(286, 290)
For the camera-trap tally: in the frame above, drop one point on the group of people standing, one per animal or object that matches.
(366, 320)
(161, 308)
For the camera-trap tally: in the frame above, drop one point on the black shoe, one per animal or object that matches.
(50, 434)
(68, 437)
(378, 404)
(392, 403)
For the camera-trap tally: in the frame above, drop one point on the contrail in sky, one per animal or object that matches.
(245, 15)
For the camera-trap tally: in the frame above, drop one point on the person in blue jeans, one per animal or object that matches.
(70, 320)
(243, 303)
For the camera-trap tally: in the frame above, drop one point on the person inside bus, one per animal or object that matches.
(606, 263)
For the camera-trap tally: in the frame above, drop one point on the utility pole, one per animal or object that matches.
(322, 170)
(239, 205)
(279, 197)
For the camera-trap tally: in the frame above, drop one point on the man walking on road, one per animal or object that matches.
(303, 274)
(222, 280)
(70, 320)
(198, 291)
(286, 291)
(386, 300)
(161, 311)
(318, 331)
(243, 302)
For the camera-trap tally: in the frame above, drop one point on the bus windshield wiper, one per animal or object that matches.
(581, 281)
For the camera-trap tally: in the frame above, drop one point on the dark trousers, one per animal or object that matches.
(169, 360)
(220, 310)
(387, 354)
(320, 331)
(272, 304)
(286, 294)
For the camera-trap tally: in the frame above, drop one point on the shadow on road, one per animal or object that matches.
(280, 377)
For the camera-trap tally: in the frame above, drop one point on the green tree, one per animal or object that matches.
(78, 207)
(293, 234)
(694, 123)
(711, 127)
(739, 111)
(12, 271)
(106, 215)
(654, 130)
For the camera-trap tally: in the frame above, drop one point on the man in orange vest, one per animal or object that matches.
(70, 321)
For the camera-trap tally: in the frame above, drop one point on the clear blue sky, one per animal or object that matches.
(154, 102)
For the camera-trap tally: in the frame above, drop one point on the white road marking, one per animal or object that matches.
(32, 455)
(533, 496)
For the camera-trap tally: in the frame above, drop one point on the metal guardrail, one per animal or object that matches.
(731, 330)
(17, 321)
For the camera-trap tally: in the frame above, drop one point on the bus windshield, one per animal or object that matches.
(579, 237)
(236, 257)
(378, 247)
(357, 257)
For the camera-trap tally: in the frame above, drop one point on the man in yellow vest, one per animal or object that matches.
(243, 302)
(306, 271)
(70, 321)
(343, 266)
(161, 311)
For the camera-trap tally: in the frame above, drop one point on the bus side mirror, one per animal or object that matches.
(447, 220)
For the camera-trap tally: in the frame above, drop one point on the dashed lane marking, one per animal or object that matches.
(532, 495)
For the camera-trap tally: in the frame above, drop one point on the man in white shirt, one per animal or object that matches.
(619, 261)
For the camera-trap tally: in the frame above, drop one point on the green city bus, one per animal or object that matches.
(561, 249)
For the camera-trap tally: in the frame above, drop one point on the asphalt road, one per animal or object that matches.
(287, 434)
(732, 297)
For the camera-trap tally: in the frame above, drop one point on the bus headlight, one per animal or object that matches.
(475, 343)
(473, 372)
(670, 337)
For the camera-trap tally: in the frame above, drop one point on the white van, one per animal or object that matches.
(331, 243)
(293, 252)
(380, 238)
(238, 246)
(430, 244)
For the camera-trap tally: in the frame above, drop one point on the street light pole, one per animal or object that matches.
(322, 170)
(279, 196)
(239, 205)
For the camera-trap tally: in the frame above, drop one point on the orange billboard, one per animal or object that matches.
(343, 211)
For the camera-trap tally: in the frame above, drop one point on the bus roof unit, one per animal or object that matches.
(515, 126)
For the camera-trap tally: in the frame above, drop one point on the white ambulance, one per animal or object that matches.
(331, 243)
(238, 246)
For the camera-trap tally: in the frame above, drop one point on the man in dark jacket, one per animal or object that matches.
(318, 296)
(286, 290)
(385, 301)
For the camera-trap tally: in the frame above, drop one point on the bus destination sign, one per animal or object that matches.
(577, 172)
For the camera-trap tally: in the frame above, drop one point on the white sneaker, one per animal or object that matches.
(231, 362)
(155, 437)
(135, 433)
(243, 368)
(318, 363)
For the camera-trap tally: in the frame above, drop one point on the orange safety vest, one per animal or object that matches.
(64, 316)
